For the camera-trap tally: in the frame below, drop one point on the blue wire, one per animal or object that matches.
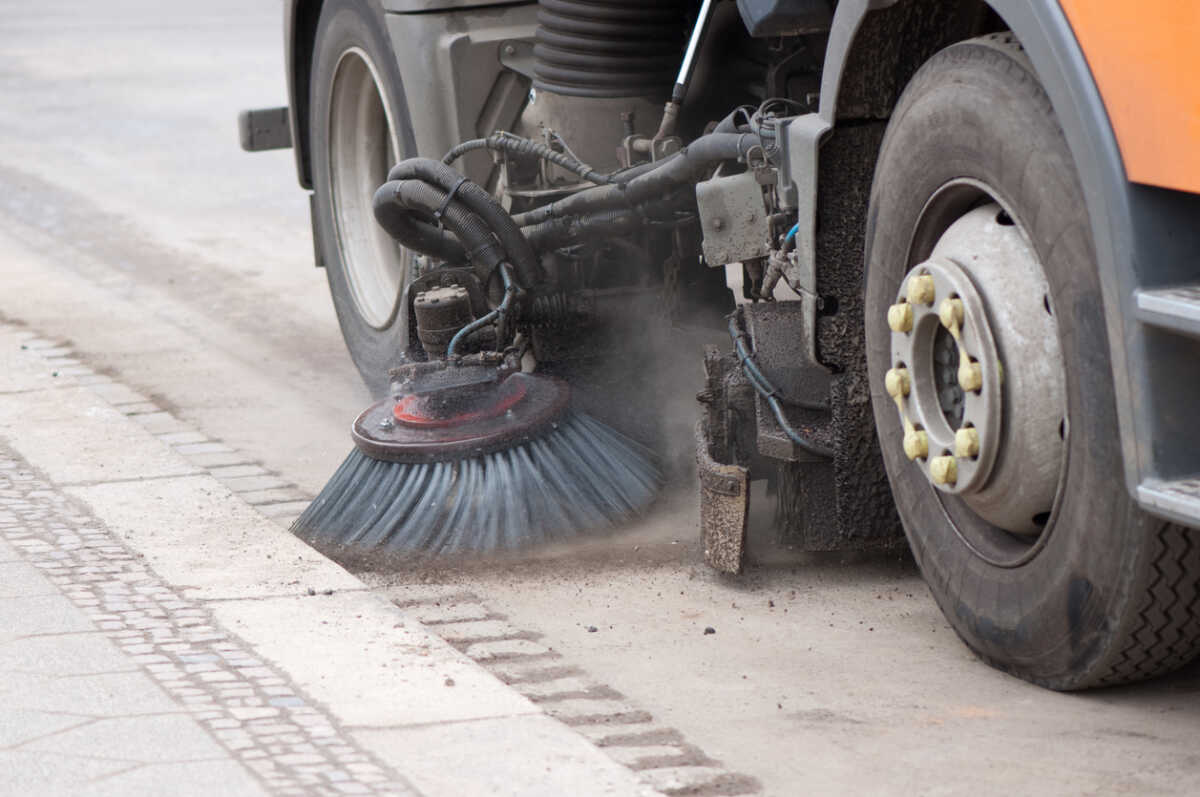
(790, 235)
(479, 323)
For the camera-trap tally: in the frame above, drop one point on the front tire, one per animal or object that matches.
(359, 129)
(1083, 589)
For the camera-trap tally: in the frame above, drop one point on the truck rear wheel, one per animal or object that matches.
(358, 129)
(992, 388)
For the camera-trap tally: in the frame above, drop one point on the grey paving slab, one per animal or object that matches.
(187, 779)
(22, 369)
(451, 613)
(21, 725)
(32, 773)
(156, 738)
(244, 484)
(19, 579)
(98, 447)
(377, 665)
(118, 394)
(180, 438)
(277, 495)
(64, 654)
(238, 471)
(478, 631)
(193, 531)
(219, 460)
(643, 757)
(40, 614)
(517, 757)
(96, 695)
(160, 423)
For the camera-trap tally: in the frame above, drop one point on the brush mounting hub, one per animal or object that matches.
(459, 411)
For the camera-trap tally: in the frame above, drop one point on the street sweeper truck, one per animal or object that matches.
(943, 256)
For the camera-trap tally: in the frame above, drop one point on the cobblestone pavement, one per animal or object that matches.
(87, 630)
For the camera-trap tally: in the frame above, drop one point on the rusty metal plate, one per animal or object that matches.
(724, 507)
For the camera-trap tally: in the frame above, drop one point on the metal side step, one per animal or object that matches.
(1178, 500)
(1175, 308)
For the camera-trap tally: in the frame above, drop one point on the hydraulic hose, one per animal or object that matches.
(686, 167)
(557, 233)
(417, 235)
(398, 199)
(482, 204)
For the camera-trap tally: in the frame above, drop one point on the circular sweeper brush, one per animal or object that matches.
(477, 457)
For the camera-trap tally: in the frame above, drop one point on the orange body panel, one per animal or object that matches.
(1145, 57)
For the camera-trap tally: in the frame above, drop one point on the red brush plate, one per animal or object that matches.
(415, 429)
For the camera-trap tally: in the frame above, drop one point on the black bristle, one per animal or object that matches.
(581, 475)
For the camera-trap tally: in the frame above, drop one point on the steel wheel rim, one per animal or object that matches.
(995, 545)
(362, 147)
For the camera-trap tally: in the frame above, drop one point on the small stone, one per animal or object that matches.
(709, 630)
(591, 629)
(449, 682)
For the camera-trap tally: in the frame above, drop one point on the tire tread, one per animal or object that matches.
(1166, 634)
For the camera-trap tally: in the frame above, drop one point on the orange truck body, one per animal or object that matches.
(1145, 58)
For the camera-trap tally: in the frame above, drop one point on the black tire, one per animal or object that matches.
(1107, 594)
(350, 37)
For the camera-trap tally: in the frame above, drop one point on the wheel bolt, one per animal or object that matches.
(921, 289)
(900, 317)
(966, 442)
(896, 382)
(950, 313)
(970, 375)
(944, 470)
(916, 444)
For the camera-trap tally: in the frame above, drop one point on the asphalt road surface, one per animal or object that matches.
(133, 226)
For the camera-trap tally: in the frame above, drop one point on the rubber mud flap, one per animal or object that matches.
(724, 507)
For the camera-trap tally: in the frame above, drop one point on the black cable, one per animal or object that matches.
(764, 388)
(524, 148)
(684, 168)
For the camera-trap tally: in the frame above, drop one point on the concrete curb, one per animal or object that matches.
(406, 695)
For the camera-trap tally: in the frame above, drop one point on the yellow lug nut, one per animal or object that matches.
(966, 442)
(944, 470)
(900, 317)
(950, 313)
(921, 289)
(896, 382)
(970, 375)
(916, 444)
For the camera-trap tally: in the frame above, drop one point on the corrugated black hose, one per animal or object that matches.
(557, 233)
(481, 203)
(397, 200)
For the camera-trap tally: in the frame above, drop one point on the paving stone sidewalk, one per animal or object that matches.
(111, 682)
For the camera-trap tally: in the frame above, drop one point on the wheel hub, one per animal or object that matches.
(977, 374)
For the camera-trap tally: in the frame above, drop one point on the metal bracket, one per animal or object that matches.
(517, 55)
(801, 138)
(262, 129)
